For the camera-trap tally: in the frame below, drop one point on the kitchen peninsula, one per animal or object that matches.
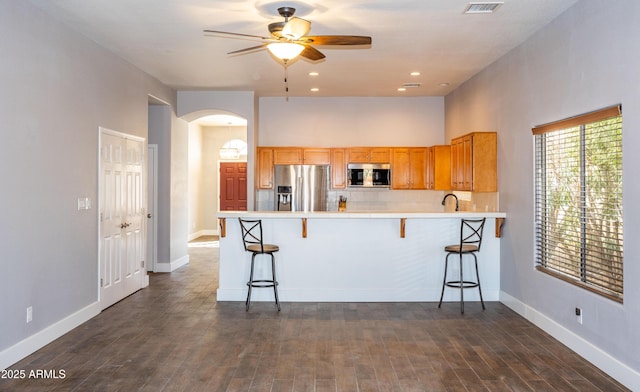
(363, 256)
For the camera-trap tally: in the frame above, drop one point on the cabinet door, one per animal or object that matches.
(317, 156)
(400, 168)
(359, 155)
(467, 163)
(287, 156)
(430, 173)
(264, 170)
(441, 168)
(456, 164)
(380, 155)
(418, 168)
(338, 168)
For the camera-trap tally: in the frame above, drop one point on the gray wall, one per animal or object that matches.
(351, 121)
(584, 60)
(58, 88)
(160, 134)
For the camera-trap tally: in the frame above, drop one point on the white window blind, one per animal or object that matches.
(579, 230)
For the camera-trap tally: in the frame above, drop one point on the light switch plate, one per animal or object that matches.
(84, 203)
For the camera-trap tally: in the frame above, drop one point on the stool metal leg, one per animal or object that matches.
(478, 280)
(275, 282)
(250, 283)
(444, 279)
(461, 287)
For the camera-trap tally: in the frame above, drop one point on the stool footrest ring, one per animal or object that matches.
(262, 283)
(465, 284)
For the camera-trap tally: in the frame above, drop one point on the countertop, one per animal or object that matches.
(361, 214)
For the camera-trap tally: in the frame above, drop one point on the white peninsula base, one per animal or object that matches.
(357, 257)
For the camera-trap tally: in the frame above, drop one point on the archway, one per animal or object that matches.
(208, 134)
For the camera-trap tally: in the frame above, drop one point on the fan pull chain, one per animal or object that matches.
(286, 83)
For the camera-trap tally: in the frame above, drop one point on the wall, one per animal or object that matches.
(179, 202)
(195, 175)
(567, 68)
(347, 121)
(58, 88)
(160, 134)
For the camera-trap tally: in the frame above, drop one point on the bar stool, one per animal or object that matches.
(252, 240)
(470, 241)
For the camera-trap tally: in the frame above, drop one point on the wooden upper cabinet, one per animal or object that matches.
(338, 168)
(369, 155)
(380, 155)
(316, 156)
(409, 168)
(439, 168)
(264, 168)
(287, 156)
(474, 162)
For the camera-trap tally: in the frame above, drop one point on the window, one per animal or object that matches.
(233, 149)
(578, 183)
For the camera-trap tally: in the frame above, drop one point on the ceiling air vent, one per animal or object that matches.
(411, 85)
(483, 7)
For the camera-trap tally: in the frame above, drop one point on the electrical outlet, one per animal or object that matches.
(29, 314)
(579, 315)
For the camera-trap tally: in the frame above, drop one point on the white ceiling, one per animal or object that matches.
(165, 39)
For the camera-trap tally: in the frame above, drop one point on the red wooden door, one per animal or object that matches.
(233, 186)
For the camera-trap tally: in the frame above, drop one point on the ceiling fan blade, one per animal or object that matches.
(311, 53)
(336, 40)
(248, 49)
(235, 34)
(296, 28)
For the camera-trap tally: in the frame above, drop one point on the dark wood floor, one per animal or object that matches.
(173, 336)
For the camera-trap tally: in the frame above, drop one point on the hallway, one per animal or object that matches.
(173, 336)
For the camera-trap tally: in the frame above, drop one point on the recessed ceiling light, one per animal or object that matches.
(313, 74)
(402, 89)
(415, 73)
(314, 89)
(443, 84)
(483, 7)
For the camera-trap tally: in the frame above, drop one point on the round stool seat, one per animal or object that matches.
(265, 248)
(465, 248)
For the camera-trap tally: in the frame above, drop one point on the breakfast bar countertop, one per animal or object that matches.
(364, 214)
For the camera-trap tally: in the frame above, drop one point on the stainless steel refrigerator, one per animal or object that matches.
(302, 187)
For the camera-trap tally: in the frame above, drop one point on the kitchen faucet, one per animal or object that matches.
(450, 194)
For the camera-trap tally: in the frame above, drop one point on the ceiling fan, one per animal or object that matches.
(289, 38)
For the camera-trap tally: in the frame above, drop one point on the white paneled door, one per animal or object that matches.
(122, 212)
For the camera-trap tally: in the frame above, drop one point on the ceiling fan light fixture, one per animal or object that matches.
(285, 51)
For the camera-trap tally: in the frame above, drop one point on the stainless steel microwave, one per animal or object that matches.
(369, 175)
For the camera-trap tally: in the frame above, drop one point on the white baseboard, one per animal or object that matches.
(601, 359)
(40, 339)
(201, 233)
(172, 266)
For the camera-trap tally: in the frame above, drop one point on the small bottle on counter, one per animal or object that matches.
(342, 203)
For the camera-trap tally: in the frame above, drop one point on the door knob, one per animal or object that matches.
(149, 215)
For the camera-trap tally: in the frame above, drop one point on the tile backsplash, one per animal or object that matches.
(396, 200)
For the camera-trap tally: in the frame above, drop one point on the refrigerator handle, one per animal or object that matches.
(300, 193)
